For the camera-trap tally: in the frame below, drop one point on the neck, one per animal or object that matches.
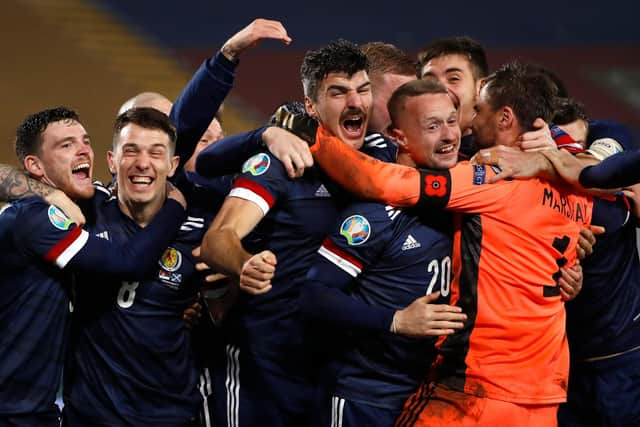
(140, 213)
(405, 159)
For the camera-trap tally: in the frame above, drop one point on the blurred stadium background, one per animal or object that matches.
(92, 55)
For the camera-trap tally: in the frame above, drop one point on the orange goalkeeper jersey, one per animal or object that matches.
(509, 245)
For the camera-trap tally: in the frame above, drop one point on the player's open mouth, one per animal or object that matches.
(446, 149)
(141, 180)
(353, 125)
(81, 170)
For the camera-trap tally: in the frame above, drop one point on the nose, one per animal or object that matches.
(84, 149)
(142, 160)
(354, 100)
(449, 133)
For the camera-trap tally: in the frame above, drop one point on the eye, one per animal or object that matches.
(453, 78)
(364, 90)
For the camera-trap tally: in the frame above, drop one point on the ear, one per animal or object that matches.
(308, 105)
(175, 161)
(507, 118)
(34, 166)
(479, 86)
(400, 137)
(111, 160)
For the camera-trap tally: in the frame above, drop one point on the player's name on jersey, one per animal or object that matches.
(567, 207)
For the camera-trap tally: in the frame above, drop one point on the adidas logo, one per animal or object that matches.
(392, 212)
(322, 191)
(192, 223)
(104, 235)
(410, 243)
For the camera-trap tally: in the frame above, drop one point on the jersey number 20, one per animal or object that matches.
(441, 270)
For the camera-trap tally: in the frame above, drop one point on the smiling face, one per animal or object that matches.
(343, 105)
(142, 161)
(455, 73)
(64, 159)
(428, 131)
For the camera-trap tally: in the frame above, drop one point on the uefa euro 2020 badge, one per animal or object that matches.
(170, 262)
(58, 218)
(355, 229)
(257, 165)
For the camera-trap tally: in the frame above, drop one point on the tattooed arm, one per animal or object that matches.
(16, 184)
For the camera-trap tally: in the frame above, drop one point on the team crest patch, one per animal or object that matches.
(58, 218)
(355, 229)
(257, 165)
(171, 259)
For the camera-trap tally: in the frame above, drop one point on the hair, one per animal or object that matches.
(387, 58)
(528, 92)
(294, 107)
(340, 56)
(29, 132)
(465, 46)
(148, 118)
(412, 89)
(560, 88)
(568, 110)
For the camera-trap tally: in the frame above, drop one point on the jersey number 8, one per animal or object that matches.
(127, 294)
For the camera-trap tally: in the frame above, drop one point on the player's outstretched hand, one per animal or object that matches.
(257, 272)
(513, 162)
(422, 318)
(587, 240)
(538, 139)
(570, 282)
(191, 315)
(175, 194)
(250, 35)
(292, 151)
(212, 279)
(289, 117)
(61, 200)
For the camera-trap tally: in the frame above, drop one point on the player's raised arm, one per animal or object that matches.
(202, 97)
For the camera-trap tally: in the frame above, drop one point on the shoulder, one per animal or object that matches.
(380, 146)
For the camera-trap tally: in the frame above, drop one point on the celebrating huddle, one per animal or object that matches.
(411, 245)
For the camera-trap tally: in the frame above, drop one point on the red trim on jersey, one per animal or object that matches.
(567, 143)
(331, 247)
(63, 244)
(256, 188)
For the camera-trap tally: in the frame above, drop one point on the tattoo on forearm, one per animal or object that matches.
(15, 184)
